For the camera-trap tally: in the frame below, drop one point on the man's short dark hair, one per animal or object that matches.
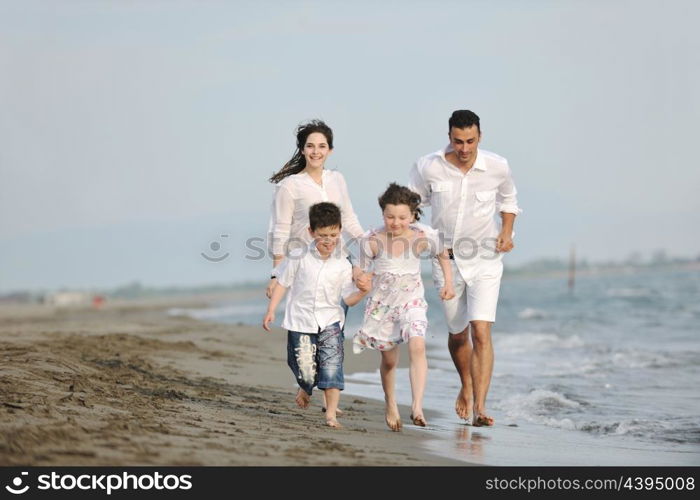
(324, 214)
(463, 118)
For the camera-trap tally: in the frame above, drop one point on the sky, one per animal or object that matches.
(134, 135)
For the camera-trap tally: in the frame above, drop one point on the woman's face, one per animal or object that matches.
(316, 150)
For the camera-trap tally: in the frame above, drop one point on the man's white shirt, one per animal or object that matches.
(464, 206)
(315, 288)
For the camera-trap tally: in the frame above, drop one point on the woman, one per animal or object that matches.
(301, 182)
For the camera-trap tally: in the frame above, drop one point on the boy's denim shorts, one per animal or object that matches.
(316, 359)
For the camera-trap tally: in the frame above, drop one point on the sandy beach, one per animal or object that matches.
(127, 384)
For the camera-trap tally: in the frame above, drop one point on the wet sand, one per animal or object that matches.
(129, 385)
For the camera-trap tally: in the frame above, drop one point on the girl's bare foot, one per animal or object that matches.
(302, 398)
(393, 418)
(418, 420)
(482, 420)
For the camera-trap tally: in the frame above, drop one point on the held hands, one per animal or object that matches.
(270, 287)
(364, 282)
(504, 243)
(447, 292)
(269, 318)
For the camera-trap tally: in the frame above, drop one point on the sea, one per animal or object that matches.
(605, 374)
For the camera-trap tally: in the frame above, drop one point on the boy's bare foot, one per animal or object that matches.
(393, 418)
(482, 420)
(302, 399)
(464, 404)
(338, 412)
(331, 422)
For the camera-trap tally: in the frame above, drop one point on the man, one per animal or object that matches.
(465, 187)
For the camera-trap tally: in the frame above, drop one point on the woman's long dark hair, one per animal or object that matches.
(298, 163)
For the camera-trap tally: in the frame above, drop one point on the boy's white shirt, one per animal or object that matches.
(315, 288)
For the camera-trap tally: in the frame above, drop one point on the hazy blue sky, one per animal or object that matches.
(134, 133)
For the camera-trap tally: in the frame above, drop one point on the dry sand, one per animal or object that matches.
(130, 385)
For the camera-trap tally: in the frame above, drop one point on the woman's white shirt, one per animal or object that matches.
(294, 195)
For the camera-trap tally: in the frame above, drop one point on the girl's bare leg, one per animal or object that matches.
(418, 371)
(387, 369)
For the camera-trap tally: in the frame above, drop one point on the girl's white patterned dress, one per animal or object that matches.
(396, 309)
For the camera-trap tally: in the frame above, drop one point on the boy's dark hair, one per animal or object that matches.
(324, 214)
(401, 195)
(463, 118)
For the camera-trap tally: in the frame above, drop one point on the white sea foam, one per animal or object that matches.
(543, 407)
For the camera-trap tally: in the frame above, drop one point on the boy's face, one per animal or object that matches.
(326, 238)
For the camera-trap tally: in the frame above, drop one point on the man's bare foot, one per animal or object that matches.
(302, 399)
(393, 418)
(338, 412)
(464, 404)
(482, 420)
(331, 422)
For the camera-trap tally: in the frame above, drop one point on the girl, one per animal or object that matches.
(396, 309)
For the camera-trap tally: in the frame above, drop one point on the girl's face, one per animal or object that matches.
(397, 219)
(316, 150)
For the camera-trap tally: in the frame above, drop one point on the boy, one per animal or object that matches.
(318, 278)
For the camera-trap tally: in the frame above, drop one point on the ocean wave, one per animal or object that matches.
(608, 361)
(673, 430)
(537, 404)
(630, 293)
(526, 342)
(217, 313)
(532, 313)
(365, 377)
(554, 409)
(638, 358)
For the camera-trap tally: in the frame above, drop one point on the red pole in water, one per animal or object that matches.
(572, 269)
(97, 301)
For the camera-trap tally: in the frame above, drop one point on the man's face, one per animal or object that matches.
(326, 239)
(465, 141)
